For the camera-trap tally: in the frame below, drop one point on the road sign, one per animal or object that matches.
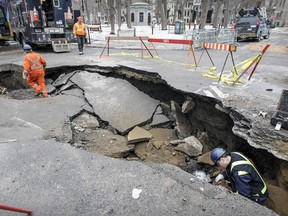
(197, 2)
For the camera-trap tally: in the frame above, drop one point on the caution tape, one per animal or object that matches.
(155, 57)
(226, 80)
(244, 64)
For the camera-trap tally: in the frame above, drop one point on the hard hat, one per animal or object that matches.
(80, 18)
(217, 153)
(27, 48)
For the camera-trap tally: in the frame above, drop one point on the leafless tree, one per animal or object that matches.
(128, 16)
(163, 7)
(112, 12)
(118, 6)
(205, 5)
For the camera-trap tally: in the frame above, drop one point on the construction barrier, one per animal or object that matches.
(107, 45)
(255, 61)
(237, 72)
(223, 47)
(175, 41)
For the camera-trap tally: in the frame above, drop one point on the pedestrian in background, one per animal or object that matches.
(243, 175)
(79, 31)
(33, 70)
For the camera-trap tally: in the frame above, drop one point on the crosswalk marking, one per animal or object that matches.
(208, 93)
(218, 92)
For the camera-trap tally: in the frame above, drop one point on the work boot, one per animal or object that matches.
(37, 94)
(45, 95)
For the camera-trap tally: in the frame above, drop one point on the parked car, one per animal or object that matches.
(252, 27)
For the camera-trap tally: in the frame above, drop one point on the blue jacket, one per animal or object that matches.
(245, 178)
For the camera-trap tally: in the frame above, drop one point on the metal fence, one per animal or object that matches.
(209, 36)
(127, 32)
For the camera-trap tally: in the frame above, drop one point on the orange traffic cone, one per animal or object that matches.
(35, 14)
(69, 14)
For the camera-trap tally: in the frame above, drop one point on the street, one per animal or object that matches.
(40, 168)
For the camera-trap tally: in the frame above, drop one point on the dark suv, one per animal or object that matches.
(252, 27)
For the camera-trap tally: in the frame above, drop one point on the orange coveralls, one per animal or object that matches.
(34, 65)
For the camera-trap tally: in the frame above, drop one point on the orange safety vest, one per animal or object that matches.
(33, 61)
(79, 29)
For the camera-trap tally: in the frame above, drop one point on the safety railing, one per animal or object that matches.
(200, 36)
(127, 32)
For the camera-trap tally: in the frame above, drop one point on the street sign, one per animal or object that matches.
(197, 2)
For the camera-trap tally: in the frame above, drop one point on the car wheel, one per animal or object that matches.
(267, 36)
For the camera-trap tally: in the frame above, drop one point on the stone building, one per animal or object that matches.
(141, 14)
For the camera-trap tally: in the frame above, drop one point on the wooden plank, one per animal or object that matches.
(275, 48)
(127, 38)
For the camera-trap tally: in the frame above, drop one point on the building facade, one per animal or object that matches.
(141, 14)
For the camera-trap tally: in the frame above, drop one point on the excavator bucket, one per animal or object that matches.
(60, 45)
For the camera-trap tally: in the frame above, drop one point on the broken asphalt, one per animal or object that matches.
(53, 178)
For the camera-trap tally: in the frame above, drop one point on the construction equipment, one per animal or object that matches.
(43, 23)
(5, 27)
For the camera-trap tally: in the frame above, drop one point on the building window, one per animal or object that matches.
(132, 17)
(141, 17)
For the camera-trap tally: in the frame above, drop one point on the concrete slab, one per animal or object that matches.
(50, 114)
(115, 100)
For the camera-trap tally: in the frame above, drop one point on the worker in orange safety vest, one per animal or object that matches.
(34, 65)
(79, 31)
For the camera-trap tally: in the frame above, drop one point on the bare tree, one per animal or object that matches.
(128, 16)
(217, 20)
(118, 6)
(179, 10)
(164, 14)
(112, 12)
(158, 11)
(205, 5)
(226, 13)
(87, 12)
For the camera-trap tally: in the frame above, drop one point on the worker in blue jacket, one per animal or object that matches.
(244, 177)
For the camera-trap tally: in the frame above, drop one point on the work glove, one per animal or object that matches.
(24, 75)
(219, 178)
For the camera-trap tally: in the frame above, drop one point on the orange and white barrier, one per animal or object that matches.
(224, 47)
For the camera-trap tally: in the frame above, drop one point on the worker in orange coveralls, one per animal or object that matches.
(79, 31)
(34, 65)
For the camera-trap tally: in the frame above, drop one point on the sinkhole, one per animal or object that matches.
(136, 115)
